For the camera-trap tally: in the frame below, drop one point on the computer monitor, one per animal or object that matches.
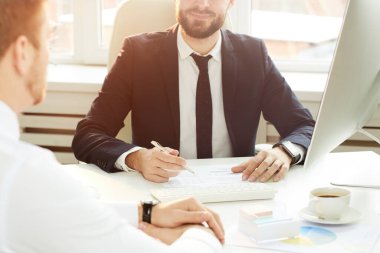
(353, 87)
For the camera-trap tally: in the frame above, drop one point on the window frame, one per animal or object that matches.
(87, 37)
(241, 20)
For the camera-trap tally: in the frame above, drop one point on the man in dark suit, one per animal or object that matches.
(199, 90)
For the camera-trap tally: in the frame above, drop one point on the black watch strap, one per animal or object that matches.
(147, 207)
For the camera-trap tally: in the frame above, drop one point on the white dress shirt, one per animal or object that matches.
(43, 209)
(188, 78)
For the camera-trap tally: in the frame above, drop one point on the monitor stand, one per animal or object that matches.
(369, 135)
(363, 174)
(369, 106)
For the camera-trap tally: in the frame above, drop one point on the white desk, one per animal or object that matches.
(293, 192)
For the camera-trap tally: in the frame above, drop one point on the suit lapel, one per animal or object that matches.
(168, 59)
(229, 77)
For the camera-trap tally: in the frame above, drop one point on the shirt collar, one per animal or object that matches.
(9, 123)
(185, 50)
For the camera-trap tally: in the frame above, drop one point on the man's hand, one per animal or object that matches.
(155, 165)
(265, 165)
(183, 212)
(167, 235)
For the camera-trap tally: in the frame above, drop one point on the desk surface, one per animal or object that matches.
(293, 191)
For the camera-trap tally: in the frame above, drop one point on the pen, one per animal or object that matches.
(161, 148)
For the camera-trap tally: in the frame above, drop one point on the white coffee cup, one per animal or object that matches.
(329, 203)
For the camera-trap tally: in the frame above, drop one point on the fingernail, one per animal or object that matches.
(142, 226)
(252, 179)
(245, 177)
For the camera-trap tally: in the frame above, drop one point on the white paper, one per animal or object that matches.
(205, 175)
(361, 173)
(357, 238)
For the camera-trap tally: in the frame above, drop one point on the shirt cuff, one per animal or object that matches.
(120, 162)
(301, 150)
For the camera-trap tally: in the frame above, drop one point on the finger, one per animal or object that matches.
(264, 165)
(172, 151)
(198, 217)
(166, 173)
(217, 218)
(165, 165)
(189, 217)
(168, 158)
(193, 208)
(253, 163)
(281, 173)
(182, 209)
(214, 225)
(210, 217)
(155, 178)
(173, 173)
(276, 166)
(239, 168)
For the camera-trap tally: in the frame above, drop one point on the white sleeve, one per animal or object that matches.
(120, 162)
(126, 210)
(301, 150)
(49, 212)
(198, 241)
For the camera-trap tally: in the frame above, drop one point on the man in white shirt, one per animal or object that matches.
(156, 77)
(42, 208)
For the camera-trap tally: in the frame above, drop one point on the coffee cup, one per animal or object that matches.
(329, 203)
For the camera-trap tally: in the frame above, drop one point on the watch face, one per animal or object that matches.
(290, 148)
(292, 151)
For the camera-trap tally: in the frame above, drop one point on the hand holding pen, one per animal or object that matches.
(160, 147)
(157, 164)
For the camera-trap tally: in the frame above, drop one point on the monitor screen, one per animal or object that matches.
(353, 87)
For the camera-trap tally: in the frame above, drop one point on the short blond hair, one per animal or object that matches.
(17, 18)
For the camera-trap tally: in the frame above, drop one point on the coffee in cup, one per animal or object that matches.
(329, 203)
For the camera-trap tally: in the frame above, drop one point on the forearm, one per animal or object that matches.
(301, 135)
(92, 145)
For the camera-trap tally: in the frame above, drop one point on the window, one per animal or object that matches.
(300, 34)
(83, 30)
(62, 44)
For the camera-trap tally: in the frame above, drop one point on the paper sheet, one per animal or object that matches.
(363, 173)
(205, 175)
(357, 238)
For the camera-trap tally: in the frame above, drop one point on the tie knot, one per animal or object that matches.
(201, 61)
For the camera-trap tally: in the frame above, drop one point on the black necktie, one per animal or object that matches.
(203, 108)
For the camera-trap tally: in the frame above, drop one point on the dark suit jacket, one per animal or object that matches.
(144, 80)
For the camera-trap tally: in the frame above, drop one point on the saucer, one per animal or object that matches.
(350, 216)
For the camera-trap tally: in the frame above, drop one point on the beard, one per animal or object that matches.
(197, 28)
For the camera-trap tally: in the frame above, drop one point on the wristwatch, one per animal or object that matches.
(290, 149)
(147, 207)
